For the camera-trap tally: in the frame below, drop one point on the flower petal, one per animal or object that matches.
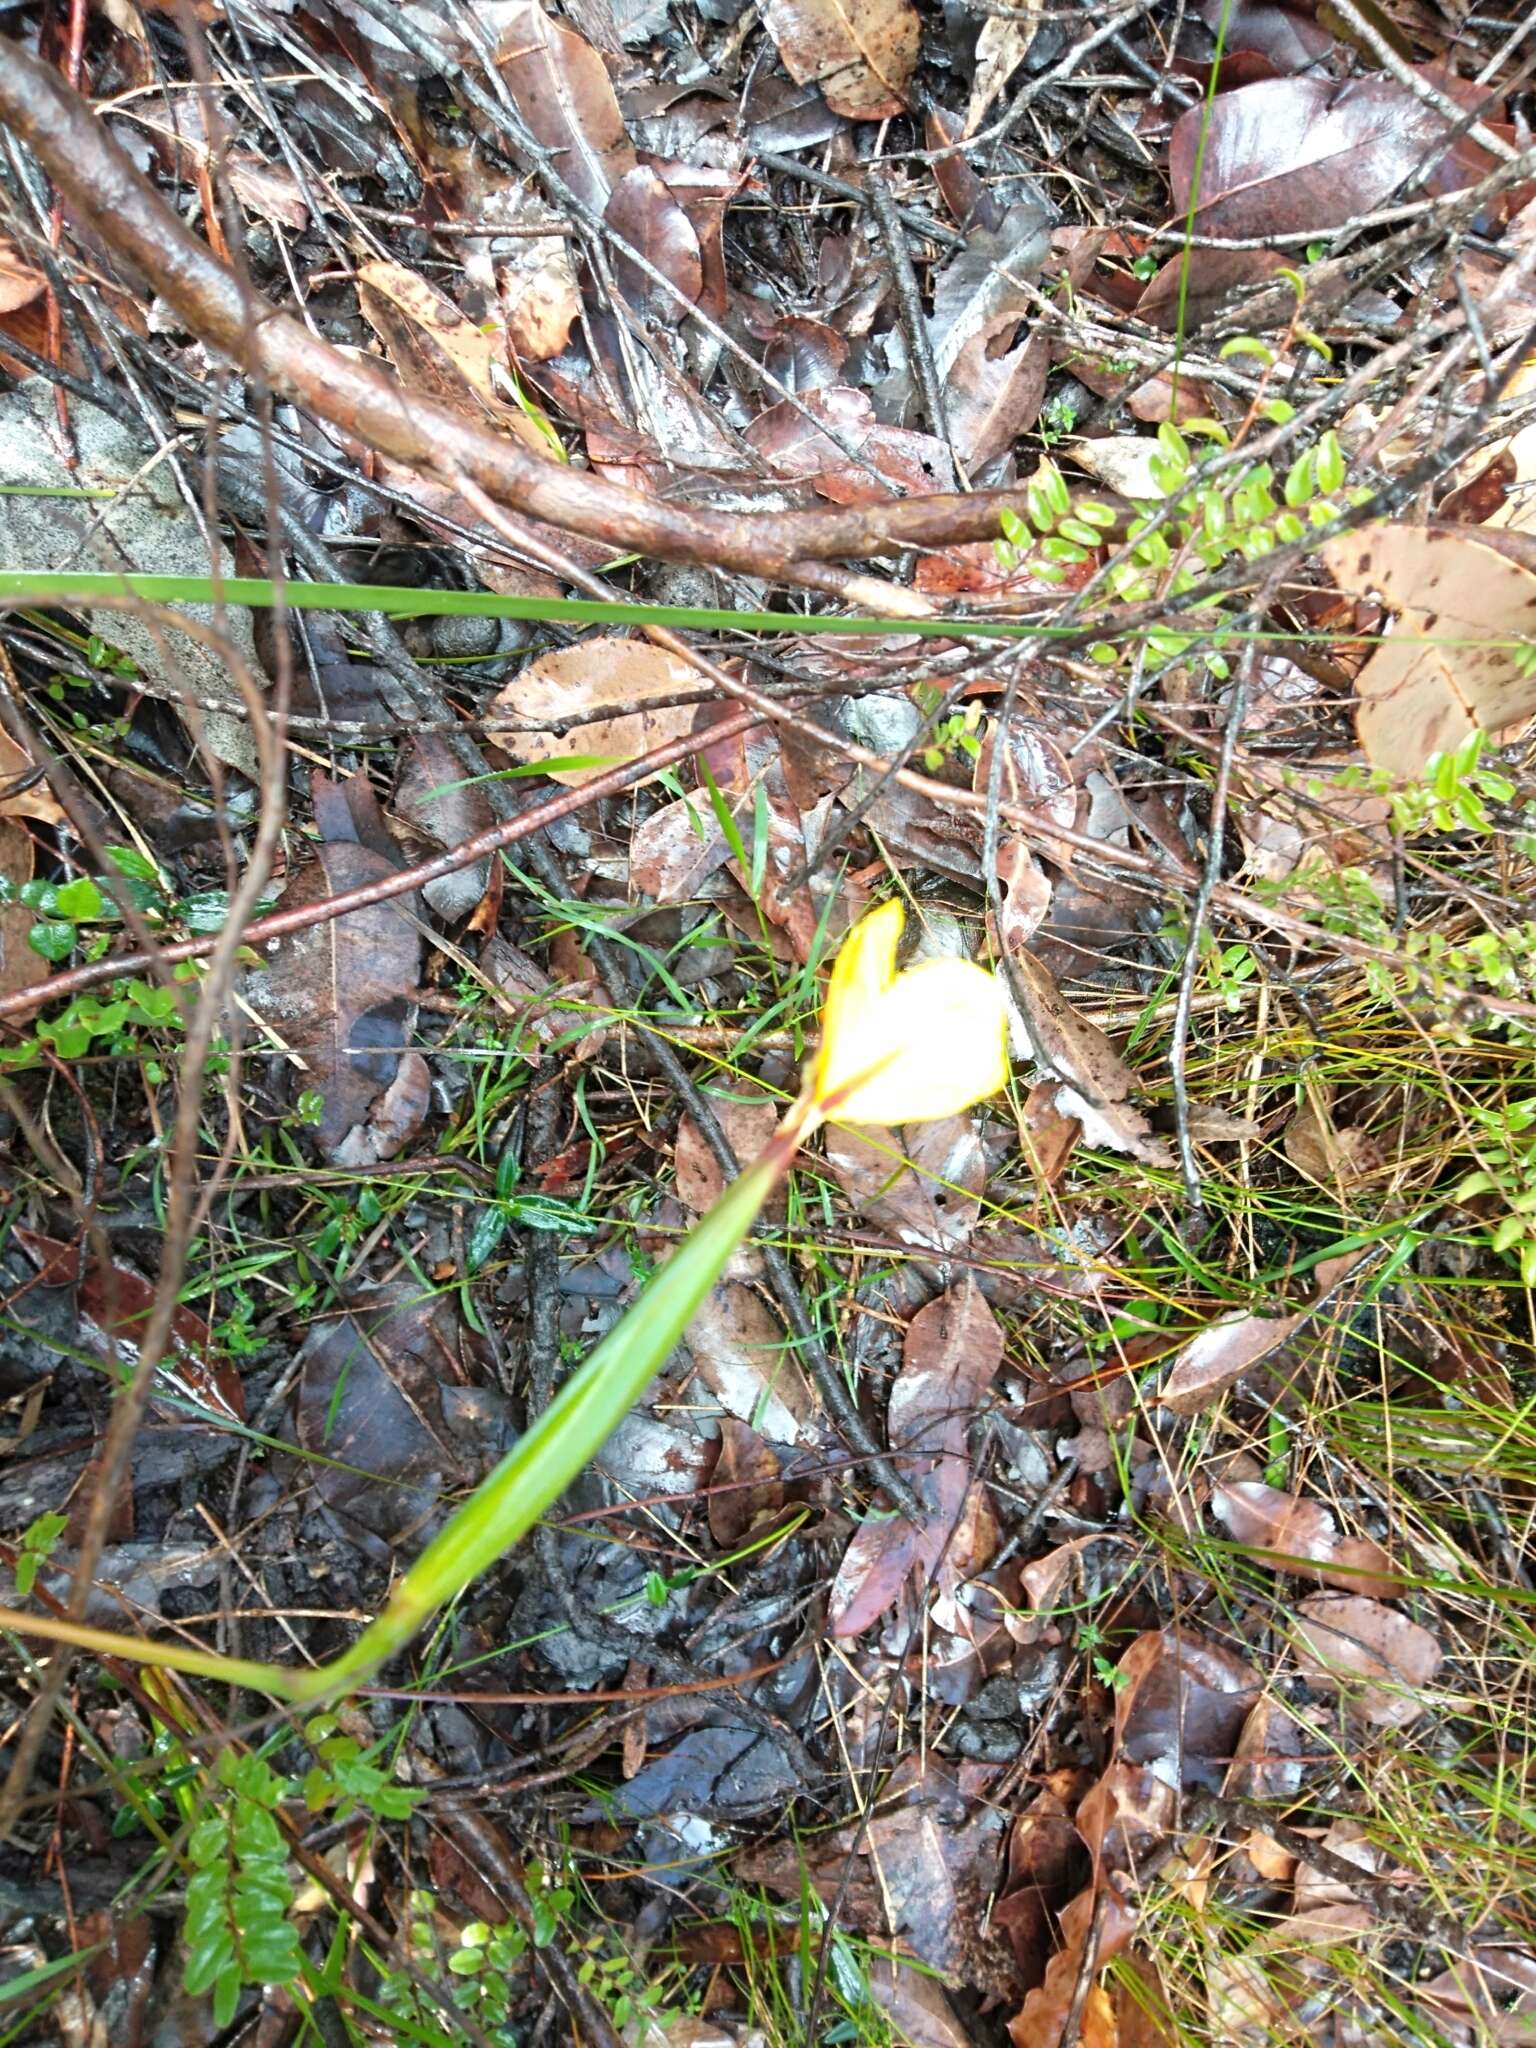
(912, 1047)
(863, 972)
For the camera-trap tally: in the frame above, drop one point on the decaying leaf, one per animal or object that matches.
(561, 87)
(1291, 1534)
(113, 1305)
(643, 210)
(794, 446)
(924, 1193)
(1465, 598)
(741, 1353)
(1376, 1658)
(436, 350)
(448, 805)
(1219, 1356)
(952, 1349)
(573, 682)
(21, 965)
(388, 1409)
(23, 792)
(1001, 48)
(861, 53)
(342, 994)
(1299, 155)
(746, 1491)
(20, 284)
(1098, 1083)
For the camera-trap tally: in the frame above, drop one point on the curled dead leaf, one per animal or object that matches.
(1292, 1534)
(1374, 1657)
(1462, 597)
(861, 53)
(572, 683)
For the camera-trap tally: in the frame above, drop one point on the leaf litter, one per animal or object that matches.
(1188, 1567)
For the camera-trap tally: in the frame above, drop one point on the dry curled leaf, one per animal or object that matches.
(21, 965)
(20, 284)
(861, 53)
(342, 994)
(1374, 1657)
(1097, 1082)
(436, 350)
(1292, 1534)
(560, 86)
(23, 792)
(1219, 1356)
(1299, 155)
(741, 1353)
(644, 212)
(1463, 597)
(953, 1348)
(1001, 48)
(572, 682)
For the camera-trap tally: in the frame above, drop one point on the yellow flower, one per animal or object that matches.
(906, 1048)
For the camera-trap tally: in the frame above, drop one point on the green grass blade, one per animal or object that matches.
(79, 588)
(568, 1435)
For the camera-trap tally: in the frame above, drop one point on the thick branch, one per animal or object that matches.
(85, 162)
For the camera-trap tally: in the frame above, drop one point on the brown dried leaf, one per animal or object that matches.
(1444, 671)
(953, 1348)
(1001, 48)
(342, 994)
(561, 88)
(21, 965)
(113, 1307)
(861, 53)
(748, 1125)
(1219, 1356)
(926, 1193)
(436, 350)
(916, 2005)
(20, 284)
(675, 849)
(745, 1489)
(1180, 1702)
(385, 1410)
(643, 210)
(1097, 1081)
(1026, 895)
(794, 447)
(1289, 1534)
(1375, 1658)
(743, 1356)
(1299, 155)
(574, 681)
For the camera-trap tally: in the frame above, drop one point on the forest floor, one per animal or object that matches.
(724, 466)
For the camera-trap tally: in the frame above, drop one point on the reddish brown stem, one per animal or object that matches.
(85, 162)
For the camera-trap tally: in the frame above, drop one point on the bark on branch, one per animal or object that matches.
(86, 163)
